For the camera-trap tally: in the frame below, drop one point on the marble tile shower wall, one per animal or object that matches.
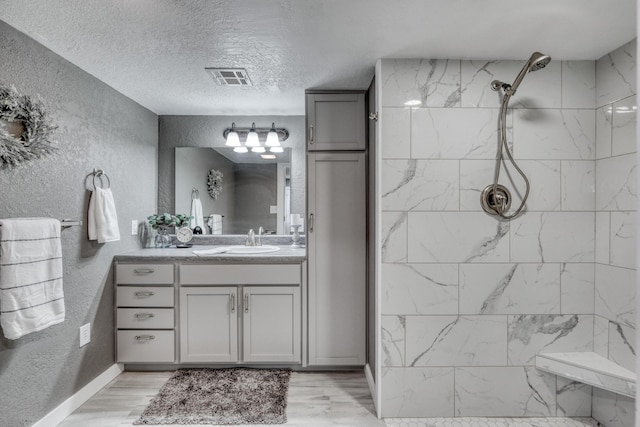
(616, 198)
(467, 301)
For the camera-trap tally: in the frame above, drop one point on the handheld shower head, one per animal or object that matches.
(536, 62)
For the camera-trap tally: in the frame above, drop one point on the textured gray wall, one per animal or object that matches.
(98, 127)
(206, 131)
(256, 191)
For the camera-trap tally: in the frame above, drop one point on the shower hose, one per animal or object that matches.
(500, 205)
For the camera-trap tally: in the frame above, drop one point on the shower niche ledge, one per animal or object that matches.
(589, 368)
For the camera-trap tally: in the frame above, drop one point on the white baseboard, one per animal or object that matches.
(65, 409)
(372, 384)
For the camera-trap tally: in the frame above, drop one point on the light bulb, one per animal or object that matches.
(232, 137)
(272, 137)
(258, 149)
(276, 149)
(252, 137)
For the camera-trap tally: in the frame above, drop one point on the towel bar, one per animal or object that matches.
(66, 223)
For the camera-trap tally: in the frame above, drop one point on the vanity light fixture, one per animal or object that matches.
(233, 140)
(253, 135)
(272, 137)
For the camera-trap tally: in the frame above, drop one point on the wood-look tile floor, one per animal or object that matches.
(318, 399)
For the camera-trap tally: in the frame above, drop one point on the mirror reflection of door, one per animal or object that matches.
(255, 191)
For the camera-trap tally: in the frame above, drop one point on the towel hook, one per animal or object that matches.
(195, 194)
(99, 173)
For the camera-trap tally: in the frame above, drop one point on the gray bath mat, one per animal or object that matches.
(220, 397)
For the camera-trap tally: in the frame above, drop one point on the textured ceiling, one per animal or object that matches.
(155, 51)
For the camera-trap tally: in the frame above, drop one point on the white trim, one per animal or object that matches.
(371, 382)
(67, 407)
(378, 246)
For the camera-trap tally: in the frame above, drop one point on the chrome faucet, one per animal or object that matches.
(260, 233)
(251, 238)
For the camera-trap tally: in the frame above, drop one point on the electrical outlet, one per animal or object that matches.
(273, 209)
(85, 334)
(134, 227)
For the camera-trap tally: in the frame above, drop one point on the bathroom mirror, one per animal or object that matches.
(255, 192)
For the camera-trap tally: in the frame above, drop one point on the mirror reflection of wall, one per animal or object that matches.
(255, 192)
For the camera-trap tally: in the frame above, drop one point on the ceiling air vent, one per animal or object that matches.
(230, 76)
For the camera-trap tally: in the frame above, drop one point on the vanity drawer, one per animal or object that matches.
(146, 346)
(240, 274)
(144, 274)
(145, 318)
(147, 296)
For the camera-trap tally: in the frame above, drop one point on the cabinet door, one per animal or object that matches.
(271, 323)
(208, 324)
(336, 245)
(336, 121)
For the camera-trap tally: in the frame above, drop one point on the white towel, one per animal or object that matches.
(196, 213)
(212, 251)
(102, 219)
(31, 294)
(215, 223)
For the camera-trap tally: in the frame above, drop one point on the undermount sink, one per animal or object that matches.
(252, 249)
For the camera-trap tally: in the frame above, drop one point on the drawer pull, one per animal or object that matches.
(233, 303)
(143, 316)
(145, 337)
(143, 270)
(246, 303)
(144, 294)
(311, 140)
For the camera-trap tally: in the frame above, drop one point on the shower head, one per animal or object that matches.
(536, 62)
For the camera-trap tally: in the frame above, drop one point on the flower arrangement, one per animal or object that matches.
(166, 220)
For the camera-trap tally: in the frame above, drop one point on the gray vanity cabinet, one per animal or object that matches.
(336, 248)
(271, 324)
(240, 313)
(208, 324)
(335, 121)
(145, 315)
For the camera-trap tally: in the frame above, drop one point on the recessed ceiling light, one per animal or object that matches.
(229, 76)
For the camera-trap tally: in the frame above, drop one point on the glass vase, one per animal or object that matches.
(163, 239)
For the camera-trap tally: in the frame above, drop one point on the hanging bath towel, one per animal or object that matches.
(102, 220)
(31, 293)
(198, 218)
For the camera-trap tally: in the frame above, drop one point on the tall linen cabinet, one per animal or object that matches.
(336, 228)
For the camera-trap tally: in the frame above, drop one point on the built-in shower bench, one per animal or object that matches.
(589, 368)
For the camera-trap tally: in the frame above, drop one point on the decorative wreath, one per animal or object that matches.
(30, 115)
(214, 183)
